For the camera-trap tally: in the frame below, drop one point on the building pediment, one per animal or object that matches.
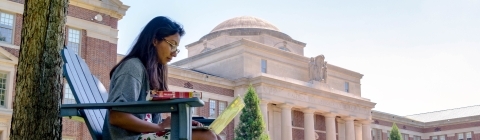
(7, 57)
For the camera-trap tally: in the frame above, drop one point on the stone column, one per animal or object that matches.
(358, 131)
(309, 124)
(349, 128)
(330, 126)
(286, 121)
(264, 109)
(366, 130)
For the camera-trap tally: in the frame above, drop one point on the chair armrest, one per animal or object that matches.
(134, 107)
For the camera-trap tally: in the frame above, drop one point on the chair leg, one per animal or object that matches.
(181, 123)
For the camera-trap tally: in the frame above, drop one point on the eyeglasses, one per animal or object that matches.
(174, 48)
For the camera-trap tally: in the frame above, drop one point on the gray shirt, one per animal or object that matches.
(129, 83)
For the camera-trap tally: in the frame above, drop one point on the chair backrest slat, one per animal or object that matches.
(79, 94)
(86, 89)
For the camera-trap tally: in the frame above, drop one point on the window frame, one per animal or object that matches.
(65, 86)
(6, 94)
(263, 66)
(468, 137)
(9, 87)
(80, 32)
(12, 41)
(216, 108)
(442, 137)
(405, 135)
(378, 132)
(346, 87)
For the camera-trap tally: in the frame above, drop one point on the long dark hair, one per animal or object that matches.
(143, 49)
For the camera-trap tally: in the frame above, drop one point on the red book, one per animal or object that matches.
(167, 95)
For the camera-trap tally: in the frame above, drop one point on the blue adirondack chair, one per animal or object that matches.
(90, 96)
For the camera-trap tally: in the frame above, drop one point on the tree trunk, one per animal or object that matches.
(36, 109)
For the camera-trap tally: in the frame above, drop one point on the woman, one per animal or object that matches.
(144, 68)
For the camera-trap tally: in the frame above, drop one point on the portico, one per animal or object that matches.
(278, 102)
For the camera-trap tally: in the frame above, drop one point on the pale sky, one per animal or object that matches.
(416, 56)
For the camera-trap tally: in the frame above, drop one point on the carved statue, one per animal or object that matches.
(312, 69)
(317, 69)
(324, 71)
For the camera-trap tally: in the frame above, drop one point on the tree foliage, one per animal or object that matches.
(395, 133)
(251, 126)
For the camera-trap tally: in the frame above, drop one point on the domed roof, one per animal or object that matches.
(244, 22)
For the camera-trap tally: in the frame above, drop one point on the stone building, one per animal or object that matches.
(301, 97)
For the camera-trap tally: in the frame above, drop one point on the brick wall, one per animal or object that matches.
(476, 136)
(320, 123)
(297, 134)
(321, 136)
(399, 125)
(298, 119)
(452, 127)
(75, 129)
(100, 56)
(17, 38)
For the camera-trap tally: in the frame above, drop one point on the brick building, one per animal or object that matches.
(91, 30)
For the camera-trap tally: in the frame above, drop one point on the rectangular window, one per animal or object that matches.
(74, 40)
(388, 135)
(468, 136)
(221, 107)
(416, 138)
(213, 108)
(347, 87)
(441, 137)
(68, 95)
(264, 66)
(434, 138)
(6, 27)
(460, 136)
(3, 88)
(376, 134)
(216, 107)
(405, 136)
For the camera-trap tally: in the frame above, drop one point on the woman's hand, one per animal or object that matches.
(165, 123)
(132, 123)
(196, 123)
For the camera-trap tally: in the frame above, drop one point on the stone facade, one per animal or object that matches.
(293, 105)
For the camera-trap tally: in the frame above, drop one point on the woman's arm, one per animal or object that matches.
(130, 122)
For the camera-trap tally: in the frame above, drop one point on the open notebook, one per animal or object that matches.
(226, 116)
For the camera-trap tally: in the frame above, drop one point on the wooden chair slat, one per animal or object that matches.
(80, 97)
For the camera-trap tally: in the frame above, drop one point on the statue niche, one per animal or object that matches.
(317, 69)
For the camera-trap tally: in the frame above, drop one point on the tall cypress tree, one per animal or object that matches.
(251, 126)
(395, 133)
